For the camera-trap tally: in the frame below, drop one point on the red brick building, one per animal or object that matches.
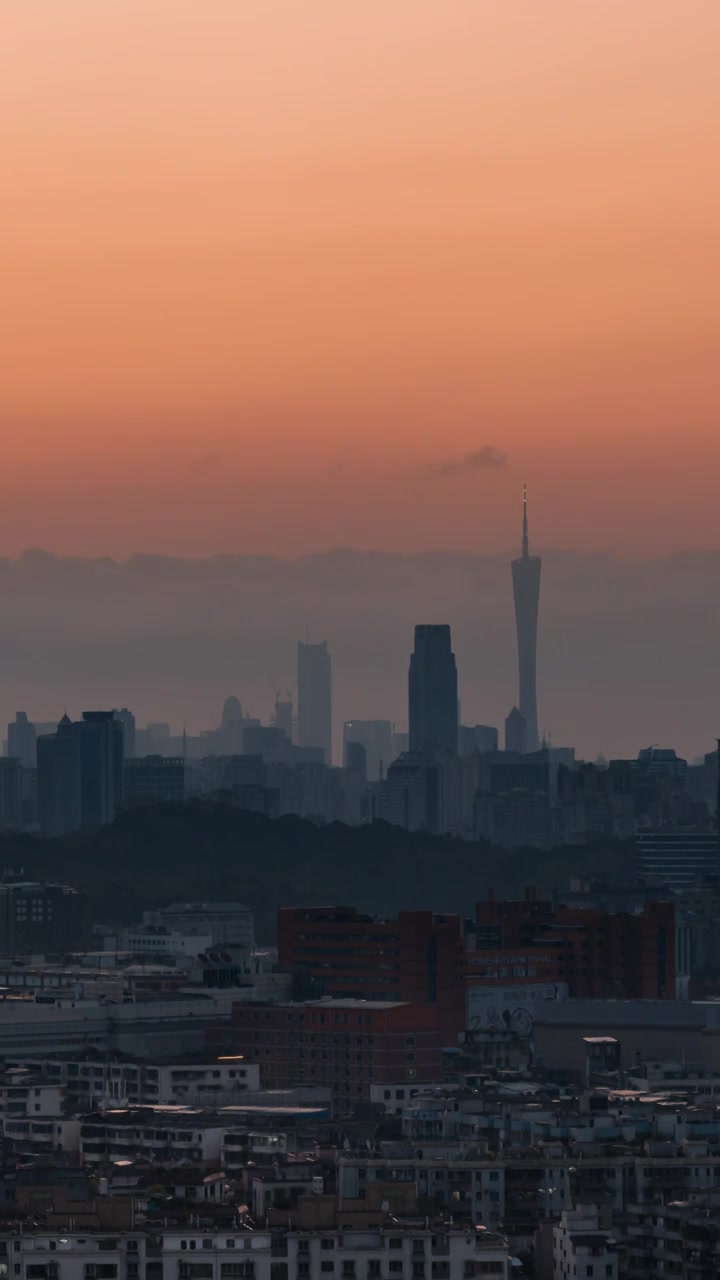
(596, 952)
(344, 1044)
(419, 957)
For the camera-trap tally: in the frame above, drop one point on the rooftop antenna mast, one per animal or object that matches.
(525, 545)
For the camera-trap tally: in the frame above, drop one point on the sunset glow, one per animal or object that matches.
(274, 274)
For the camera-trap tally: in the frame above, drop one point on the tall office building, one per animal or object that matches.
(127, 720)
(432, 694)
(80, 773)
(22, 740)
(283, 714)
(376, 736)
(526, 590)
(315, 698)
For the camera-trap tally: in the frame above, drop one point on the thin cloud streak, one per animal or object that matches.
(476, 460)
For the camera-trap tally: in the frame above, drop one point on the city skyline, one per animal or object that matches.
(178, 636)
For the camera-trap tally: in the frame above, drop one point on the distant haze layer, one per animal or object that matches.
(628, 653)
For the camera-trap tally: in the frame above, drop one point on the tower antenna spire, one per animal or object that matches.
(525, 545)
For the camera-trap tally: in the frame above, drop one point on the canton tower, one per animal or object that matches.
(526, 590)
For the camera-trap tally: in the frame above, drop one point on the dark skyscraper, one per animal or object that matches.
(80, 773)
(526, 589)
(432, 689)
(22, 740)
(315, 698)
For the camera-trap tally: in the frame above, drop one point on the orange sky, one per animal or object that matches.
(269, 265)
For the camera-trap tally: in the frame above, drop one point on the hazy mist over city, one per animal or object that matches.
(627, 648)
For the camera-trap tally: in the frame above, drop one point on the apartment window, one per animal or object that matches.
(441, 1270)
(327, 1265)
(418, 1270)
(132, 1246)
(207, 1244)
(278, 1271)
(395, 1267)
(589, 1269)
(395, 1242)
(348, 1267)
(195, 1270)
(374, 1267)
(327, 1243)
(303, 1269)
(303, 1246)
(133, 1270)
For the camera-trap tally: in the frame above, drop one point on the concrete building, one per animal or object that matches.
(39, 918)
(127, 720)
(22, 740)
(152, 780)
(433, 694)
(11, 793)
(515, 732)
(596, 952)
(418, 957)
(376, 736)
(348, 1045)
(678, 859)
(94, 1081)
(582, 1248)
(412, 794)
(315, 698)
(230, 922)
(478, 737)
(80, 773)
(526, 591)
(358, 1243)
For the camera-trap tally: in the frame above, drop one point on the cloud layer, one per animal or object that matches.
(475, 460)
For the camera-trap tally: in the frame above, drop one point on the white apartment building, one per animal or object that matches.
(90, 1083)
(404, 1251)
(582, 1250)
(23, 1094)
(223, 922)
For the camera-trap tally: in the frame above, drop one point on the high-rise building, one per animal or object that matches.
(11, 794)
(22, 740)
(315, 698)
(478, 737)
(59, 780)
(376, 736)
(411, 796)
(153, 780)
(101, 762)
(526, 590)
(283, 714)
(432, 694)
(80, 773)
(515, 732)
(127, 720)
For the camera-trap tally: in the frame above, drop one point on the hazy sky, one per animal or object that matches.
(627, 653)
(279, 275)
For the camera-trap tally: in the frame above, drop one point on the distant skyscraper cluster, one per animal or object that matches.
(439, 776)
